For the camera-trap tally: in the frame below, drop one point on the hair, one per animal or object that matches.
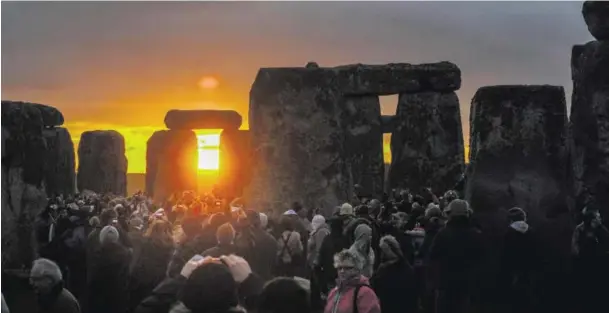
(282, 295)
(287, 223)
(192, 226)
(46, 268)
(351, 256)
(160, 230)
(225, 234)
(106, 216)
(210, 288)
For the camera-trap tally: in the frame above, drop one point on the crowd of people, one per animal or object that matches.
(404, 253)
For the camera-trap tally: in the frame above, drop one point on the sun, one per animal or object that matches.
(209, 83)
(209, 153)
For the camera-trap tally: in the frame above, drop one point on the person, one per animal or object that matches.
(263, 261)
(290, 249)
(319, 230)
(352, 293)
(226, 242)
(107, 282)
(362, 246)
(187, 246)
(325, 273)
(206, 285)
(283, 295)
(454, 256)
(393, 282)
(51, 296)
(149, 265)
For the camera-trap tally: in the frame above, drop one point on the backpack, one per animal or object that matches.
(355, 292)
(284, 249)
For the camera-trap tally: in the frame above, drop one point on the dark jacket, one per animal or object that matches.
(148, 269)
(107, 282)
(264, 259)
(182, 254)
(394, 285)
(60, 300)
(166, 294)
(221, 250)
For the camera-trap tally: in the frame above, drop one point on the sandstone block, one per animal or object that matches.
(364, 143)
(427, 143)
(518, 152)
(203, 119)
(235, 162)
(60, 171)
(596, 15)
(50, 115)
(102, 165)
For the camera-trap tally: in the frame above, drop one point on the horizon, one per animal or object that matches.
(122, 66)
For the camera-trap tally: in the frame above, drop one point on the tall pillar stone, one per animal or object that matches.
(518, 153)
(172, 168)
(427, 143)
(102, 164)
(589, 120)
(235, 168)
(297, 140)
(364, 143)
(60, 170)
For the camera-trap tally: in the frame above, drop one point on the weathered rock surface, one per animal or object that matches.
(172, 158)
(50, 115)
(203, 119)
(23, 195)
(361, 79)
(60, 171)
(596, 15)
(235, 162)
(102, 165)
(364, 143)
(427, 144)
(589, 124)
(298, 140)
(518, 153)
(389, 123)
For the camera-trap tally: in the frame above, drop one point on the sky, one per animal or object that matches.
(123, 65)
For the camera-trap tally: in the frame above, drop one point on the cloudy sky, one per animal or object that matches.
(123, 65)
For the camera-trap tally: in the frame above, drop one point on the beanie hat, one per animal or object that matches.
(517, 214)
(346, 209)
(225, 234)
(210, 288)
(458, 207)
(94, 221)
(108, 234)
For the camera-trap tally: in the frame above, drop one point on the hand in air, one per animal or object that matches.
(237, 266)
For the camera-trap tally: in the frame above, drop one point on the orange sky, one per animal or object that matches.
(123, 65)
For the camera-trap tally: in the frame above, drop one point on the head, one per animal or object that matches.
(287, 223)
(253, 218)
(375, 206)
(192, 226)
(318, 221)
(225, 234)
(136, 224)
(362, 210)
(108, 234)
(217, 219)
(45, 275)
(348, 264)
(458, 209)
(297, 207)
(210, 288)
(94, 222)
(591, 217)
(346, 209)
(363, 238)
(159, 229)
(107, 217)
(264, 220)
(282, 295)
(517, 215)
(390, 249)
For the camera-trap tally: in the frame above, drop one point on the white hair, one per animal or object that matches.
(46, 268)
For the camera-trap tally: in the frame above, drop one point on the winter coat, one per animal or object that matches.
(148, 269)
(264, 259)
(341, 300)
(314, 245)
(107, 282)
(60, 300)
(164, 297)
(395, 286)
(182, 254)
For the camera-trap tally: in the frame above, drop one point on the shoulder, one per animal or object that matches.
(67, 302)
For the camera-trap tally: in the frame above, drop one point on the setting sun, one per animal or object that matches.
(209, 82)
(209, 153)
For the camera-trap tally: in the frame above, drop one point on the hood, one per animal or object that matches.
(520, 226)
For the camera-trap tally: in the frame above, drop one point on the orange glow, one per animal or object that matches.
(209, 82)
(209, 153)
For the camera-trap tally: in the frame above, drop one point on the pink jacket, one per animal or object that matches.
(341, 301)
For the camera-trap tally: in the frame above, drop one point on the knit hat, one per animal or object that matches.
(390, 248)
(346, 209)
(517, 214)
(108, 234)
(458, 207)
(225, 234)
(210, 288)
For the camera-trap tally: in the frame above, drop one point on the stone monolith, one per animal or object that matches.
(102, 164)
(60, 171)
(235, 168)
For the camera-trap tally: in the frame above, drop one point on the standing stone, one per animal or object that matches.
(235, 162)
(589, 124)
(518, 152)
(23, 195)
(60, 164)
(154, 148)
(596, 15)
(427, 144)
(102, 165)
(298, 140)
(364, 143)
(173, 156)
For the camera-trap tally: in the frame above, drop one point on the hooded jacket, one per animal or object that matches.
(340, 300)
